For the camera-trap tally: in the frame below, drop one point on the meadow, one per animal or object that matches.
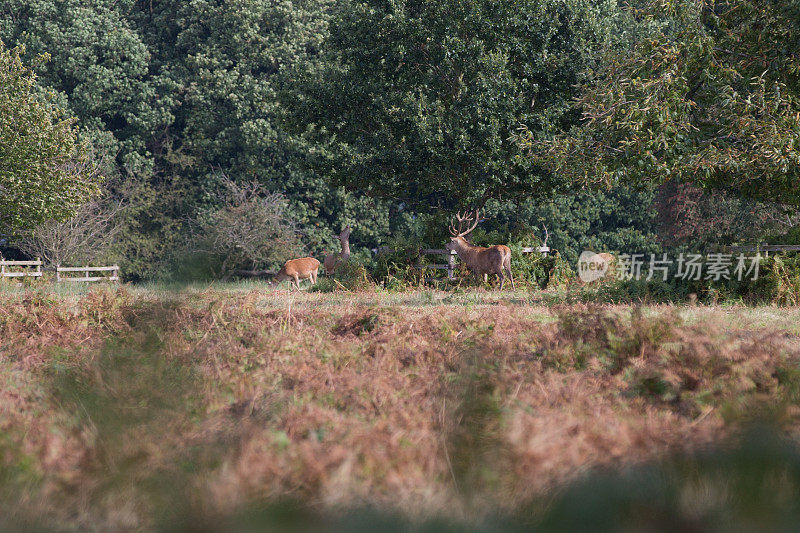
(237, 406)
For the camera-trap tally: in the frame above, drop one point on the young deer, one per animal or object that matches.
(482, 261)
(296, 269)
(333, 260)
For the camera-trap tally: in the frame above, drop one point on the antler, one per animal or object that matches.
(453, 231)
(464, 218)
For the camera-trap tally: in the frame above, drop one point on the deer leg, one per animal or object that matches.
(314, 276)
(296, 282)
(507, 266)
(502, 278)
(486, 278)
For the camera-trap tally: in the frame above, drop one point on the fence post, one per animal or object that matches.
(58, 273)
(451, 263)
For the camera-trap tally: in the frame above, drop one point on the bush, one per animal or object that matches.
(535, 271)
(633, 291)
(395, 265)
(252, 230)
(778, 281)
(86, 238)
(349, 276)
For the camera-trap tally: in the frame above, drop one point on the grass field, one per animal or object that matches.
(235, 406)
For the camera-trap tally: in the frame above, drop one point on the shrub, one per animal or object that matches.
(86, 238)
(395, 264)
(778, 281)
(633, 291)
(349, 276)
(252, 230)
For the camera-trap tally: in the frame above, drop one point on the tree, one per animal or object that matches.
(177, 92)
(251, 229)
(98, 71)
(45, 172)
(689, 215)
(710, 95)
(416, 101)
(220, 67)
(85, 238)
(102, 72)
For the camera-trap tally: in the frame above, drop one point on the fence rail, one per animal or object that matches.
(450, 266)
(26, 267)
(766, 248)
(544, 250)
(87, 270)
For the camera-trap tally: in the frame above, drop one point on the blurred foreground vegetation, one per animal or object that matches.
(205, 409)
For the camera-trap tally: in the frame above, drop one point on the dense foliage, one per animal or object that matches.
(617, 220)
(220, 66)
(390, 115)
(688, 215)
(176, 92)
(708, 94)
(98, 69)
(417, 101)
(44, 171)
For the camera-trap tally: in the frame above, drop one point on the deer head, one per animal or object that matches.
(458, 233)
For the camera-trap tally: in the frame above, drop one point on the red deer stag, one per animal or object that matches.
(296, 269)
(332, 261)
(482, 261)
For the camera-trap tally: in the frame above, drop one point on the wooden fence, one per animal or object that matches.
(451, 255)
(449, 266)
(100, 273)
(765, 248)
(20, 269)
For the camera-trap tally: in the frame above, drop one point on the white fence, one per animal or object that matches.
(765, 248)
(33, 269)
(104, 273)
(20, 269)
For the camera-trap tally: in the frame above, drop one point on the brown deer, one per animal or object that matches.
(482, 261)
(333, 260)
(296, 269)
